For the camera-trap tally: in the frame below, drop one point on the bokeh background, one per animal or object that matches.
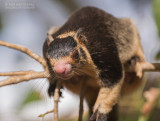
(26, 22)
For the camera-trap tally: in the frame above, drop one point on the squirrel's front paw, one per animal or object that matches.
(97, 116)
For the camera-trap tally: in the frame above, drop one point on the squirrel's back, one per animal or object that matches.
(102, 30)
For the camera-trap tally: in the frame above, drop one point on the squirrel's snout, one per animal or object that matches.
(62, 69)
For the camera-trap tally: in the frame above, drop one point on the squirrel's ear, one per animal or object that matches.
(50, 33)
(79, 32)
(79, 35)
(49, 39)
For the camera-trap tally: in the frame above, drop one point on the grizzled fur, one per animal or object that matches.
(107, 45)
(101, 43)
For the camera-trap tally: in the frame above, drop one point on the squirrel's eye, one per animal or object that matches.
(75, 54)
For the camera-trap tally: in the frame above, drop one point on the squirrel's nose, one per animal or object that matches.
(62, 68)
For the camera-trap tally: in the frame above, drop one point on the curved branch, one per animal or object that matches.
(26, 51)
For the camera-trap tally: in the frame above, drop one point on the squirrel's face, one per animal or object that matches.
(67, 56)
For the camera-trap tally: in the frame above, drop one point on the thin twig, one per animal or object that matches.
(26, 51)
(142, 67)
(83, 89)
(27, 77)
(42, 115)
(146, 67)
(151, 67)
(56, 99)
(16, 73)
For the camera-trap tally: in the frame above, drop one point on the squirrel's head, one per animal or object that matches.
(67, 54)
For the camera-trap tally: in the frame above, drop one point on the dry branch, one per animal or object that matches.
(56, 99)
(26, 51)
(16, 73)
(21, 76)
(142, 67)
(42, 115)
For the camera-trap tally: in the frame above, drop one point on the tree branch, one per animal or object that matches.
(17, 79)
(142, 67)
(26, 51)
(16, 73)
(43, 115)
(56, 100)
(21, 76)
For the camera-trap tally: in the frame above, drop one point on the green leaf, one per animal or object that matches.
(156, 9)
(158, 56)
(142, 118)
(32, 96)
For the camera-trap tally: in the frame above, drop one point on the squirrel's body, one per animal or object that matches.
(96, 47)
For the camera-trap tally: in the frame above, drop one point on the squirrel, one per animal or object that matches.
(95, 47)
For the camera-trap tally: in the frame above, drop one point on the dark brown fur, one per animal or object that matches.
(107, 45)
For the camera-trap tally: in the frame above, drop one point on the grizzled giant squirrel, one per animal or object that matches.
(95, 47)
